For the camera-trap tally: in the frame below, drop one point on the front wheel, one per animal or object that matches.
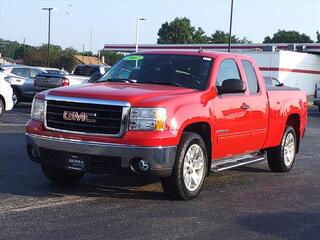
(60, 176)
(189, 170)
(281, 158)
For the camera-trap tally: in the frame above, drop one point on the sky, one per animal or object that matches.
(114, 22)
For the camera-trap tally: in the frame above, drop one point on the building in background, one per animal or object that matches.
(90, 60)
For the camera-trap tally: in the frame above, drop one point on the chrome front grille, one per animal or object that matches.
(108, 118)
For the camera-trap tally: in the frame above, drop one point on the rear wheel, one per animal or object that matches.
(281, 158)
(60, 176)
(190, 168)
(1, 107)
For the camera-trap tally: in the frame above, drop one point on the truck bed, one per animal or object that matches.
(284, 100)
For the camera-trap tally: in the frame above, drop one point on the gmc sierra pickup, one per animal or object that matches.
(176, 115)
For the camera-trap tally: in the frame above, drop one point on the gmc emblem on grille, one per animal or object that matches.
(79, 117)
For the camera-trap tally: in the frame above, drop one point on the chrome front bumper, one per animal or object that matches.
(161, 159)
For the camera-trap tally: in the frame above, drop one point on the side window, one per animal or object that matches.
(21, 72)
(228, 70)
(251, 76)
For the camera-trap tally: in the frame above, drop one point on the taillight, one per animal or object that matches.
(65, 82)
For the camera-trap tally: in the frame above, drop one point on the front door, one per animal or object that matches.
(232, 116)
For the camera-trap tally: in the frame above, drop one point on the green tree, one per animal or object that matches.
(111, 57)
(87, 53)
(283, 36)
(318, 37)
(180, 31)
(8, 48)
(67, 60)
(223, 37)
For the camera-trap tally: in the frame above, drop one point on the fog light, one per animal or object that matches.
(143, 165)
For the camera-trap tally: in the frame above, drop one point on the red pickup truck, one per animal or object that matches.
(176, 115)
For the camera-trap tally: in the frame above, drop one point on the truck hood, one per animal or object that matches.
(130, 92)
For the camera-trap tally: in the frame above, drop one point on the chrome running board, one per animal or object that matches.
(220, 165)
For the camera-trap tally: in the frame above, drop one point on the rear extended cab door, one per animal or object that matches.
(241, 120)
(257, 101)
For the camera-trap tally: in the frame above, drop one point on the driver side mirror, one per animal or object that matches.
(232, 86)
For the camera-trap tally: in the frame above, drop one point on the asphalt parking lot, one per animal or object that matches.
(245, 203)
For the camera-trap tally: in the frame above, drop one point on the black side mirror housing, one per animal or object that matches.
(232, 86)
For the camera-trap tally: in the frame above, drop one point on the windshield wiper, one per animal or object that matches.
(126, 80)
(165, 83)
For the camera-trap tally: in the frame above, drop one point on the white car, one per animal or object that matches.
(6, 102)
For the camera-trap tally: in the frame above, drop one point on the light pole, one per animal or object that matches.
(49, 29)
(230, 29)
(137, 31)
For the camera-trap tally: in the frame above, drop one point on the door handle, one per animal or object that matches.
(245, 106)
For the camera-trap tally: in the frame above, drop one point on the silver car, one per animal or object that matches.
(21, 78)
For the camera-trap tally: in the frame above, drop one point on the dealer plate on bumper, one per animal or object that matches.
(75, 163)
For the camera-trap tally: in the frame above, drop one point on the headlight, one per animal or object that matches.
(147, 119)
(37, 111)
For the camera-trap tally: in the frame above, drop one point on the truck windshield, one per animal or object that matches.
(174, 70)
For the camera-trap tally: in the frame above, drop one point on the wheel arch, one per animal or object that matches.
(204, 130)
(294, 121)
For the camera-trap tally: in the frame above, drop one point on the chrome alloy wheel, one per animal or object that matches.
(193, 167)
(289, 149)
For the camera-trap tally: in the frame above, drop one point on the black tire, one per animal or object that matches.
(319, 108)
(60, 176)
(16, 97)
(174, 186)
(276, 155)
(1, 107)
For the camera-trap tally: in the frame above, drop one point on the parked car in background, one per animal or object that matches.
(82, 74)
(88, 70)
(271, 81)
(316, 100)
(6, 91)
(21, 78)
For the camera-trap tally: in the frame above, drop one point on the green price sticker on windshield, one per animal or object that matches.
(133, 58)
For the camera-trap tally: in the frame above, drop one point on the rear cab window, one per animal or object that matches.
(251, 76)
(86, 70)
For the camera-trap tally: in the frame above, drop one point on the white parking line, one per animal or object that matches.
(12, 125)
(18, 113)
(52, 202)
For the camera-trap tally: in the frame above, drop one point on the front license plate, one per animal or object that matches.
(74, 163)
